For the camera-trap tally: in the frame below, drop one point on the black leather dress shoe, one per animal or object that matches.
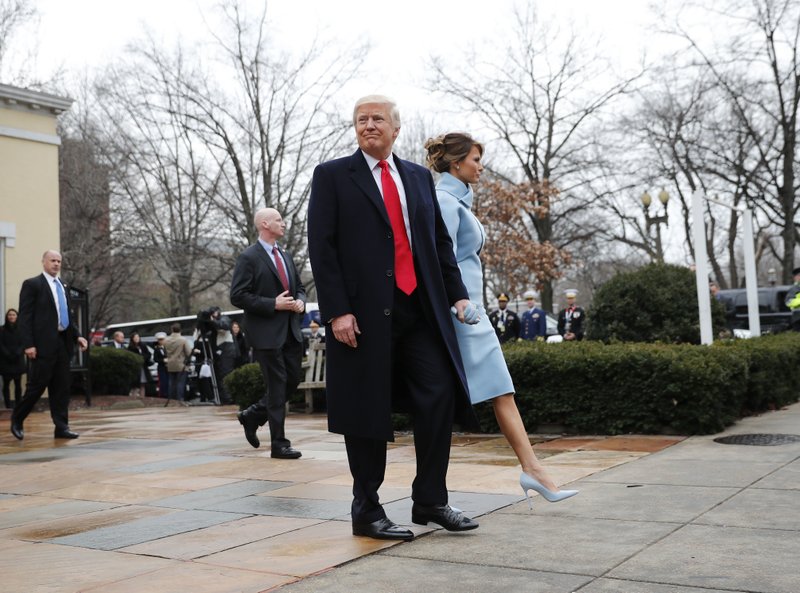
(250, 427)
(382, 529)
(444, 515)
(16, 430)
(286, 453)
(65, 434)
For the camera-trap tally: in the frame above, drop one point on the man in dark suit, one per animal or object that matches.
(267, 286)
(504, 321)
(49, 335)
(386, 278)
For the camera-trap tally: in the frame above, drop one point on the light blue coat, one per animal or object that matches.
(485, 366)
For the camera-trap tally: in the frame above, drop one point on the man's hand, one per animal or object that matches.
(83, 344)
(299, 306)
(31, 352)
(569, 336)
(466, 312)
(345, 329)
(285, 302)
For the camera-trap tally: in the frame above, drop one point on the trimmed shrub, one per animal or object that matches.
(113, 370)
(591, 387)
(245, 385)
(656, 303)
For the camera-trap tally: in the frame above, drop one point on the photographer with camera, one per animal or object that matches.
(215, 353)
(267, 286)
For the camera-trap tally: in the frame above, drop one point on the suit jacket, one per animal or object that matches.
(38, 318)
(254, 288)
(352, 255)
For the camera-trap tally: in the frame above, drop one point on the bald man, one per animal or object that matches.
(267, 286)
(49, 335)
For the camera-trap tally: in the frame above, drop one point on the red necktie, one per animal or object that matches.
(281, 269)
(405, 278)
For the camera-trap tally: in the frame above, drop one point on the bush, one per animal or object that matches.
(591, 387)
(113, 370)
(657, 303)
(245, 385)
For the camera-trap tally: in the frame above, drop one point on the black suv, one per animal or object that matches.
(775, 316)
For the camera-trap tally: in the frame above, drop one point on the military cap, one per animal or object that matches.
(571, 293)
(502, 297)
(529, 294)
(796, 271)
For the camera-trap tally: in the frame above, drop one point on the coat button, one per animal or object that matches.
(387, 312)
(389, 273)
(389, 236)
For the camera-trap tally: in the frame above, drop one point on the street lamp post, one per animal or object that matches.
(656, 220)
(702, 271)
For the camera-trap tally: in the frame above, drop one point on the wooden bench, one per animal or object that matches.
(315, 372)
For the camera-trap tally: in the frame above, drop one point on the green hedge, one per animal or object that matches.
(590, 387)
(595, 388)
(114, 371)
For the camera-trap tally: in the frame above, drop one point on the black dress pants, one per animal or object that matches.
(281, 368)
(51, 373)
(420, 364)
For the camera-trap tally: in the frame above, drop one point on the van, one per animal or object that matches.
(773, 313)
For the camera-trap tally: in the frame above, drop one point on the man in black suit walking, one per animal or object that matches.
(386, 277)
(48, 337)
(267, 286)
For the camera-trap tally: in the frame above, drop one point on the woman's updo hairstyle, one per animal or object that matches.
(447, 149)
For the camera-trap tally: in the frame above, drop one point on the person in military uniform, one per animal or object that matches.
(571, 318)
(504, 321)
(793, 300)
(534, 320)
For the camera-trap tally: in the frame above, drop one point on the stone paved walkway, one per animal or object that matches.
(162, 500)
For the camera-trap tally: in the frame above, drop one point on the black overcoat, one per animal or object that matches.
(38, 318)
(352, 257)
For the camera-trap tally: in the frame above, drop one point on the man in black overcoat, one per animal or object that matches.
(267, 286)
(386, 279)
(49, 335)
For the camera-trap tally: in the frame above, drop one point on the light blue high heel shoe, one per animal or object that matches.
(529, 483)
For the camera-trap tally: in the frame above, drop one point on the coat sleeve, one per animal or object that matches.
(323, 248)
(451, 217)
(28, 295)
(447, 260)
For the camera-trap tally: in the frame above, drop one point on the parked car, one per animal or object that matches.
(773, 313)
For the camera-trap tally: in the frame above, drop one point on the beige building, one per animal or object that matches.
(29, 207)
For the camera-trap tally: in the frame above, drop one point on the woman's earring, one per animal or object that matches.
(458, 167)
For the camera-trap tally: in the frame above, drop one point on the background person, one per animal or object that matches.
(118, 340)
(243, 354)
(12, 357)
(178, 359)
(505, 322)
(136, 345)
(386, 278)
(458, 158)
(267, 286)
(571, 319)
(160, 358)
(793, 299)
(534, 320)
(49, 335)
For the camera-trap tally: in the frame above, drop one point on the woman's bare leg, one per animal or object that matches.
(510, 421)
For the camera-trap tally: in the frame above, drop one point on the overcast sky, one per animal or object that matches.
(80, 34)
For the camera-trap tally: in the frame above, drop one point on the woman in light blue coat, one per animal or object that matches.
(458, 158)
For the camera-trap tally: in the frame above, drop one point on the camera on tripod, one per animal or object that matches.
(207, 319)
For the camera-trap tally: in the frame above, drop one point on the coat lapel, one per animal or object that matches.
(411, 185)
(270, 263)
(363, 178)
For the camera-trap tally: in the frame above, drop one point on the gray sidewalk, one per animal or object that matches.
(696, 517)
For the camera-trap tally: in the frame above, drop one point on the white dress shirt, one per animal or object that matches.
(51, 282)
(372, 163)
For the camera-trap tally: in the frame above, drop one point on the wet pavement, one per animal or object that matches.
(154, 499)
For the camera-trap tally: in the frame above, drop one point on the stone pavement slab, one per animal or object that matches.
(728, 558)
(382, 574)
(176, 500)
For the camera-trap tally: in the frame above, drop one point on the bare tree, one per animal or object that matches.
(271, 128)
(163, 181)
(541, 102)
(762, 49)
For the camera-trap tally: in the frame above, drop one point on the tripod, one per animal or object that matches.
(208, 359)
